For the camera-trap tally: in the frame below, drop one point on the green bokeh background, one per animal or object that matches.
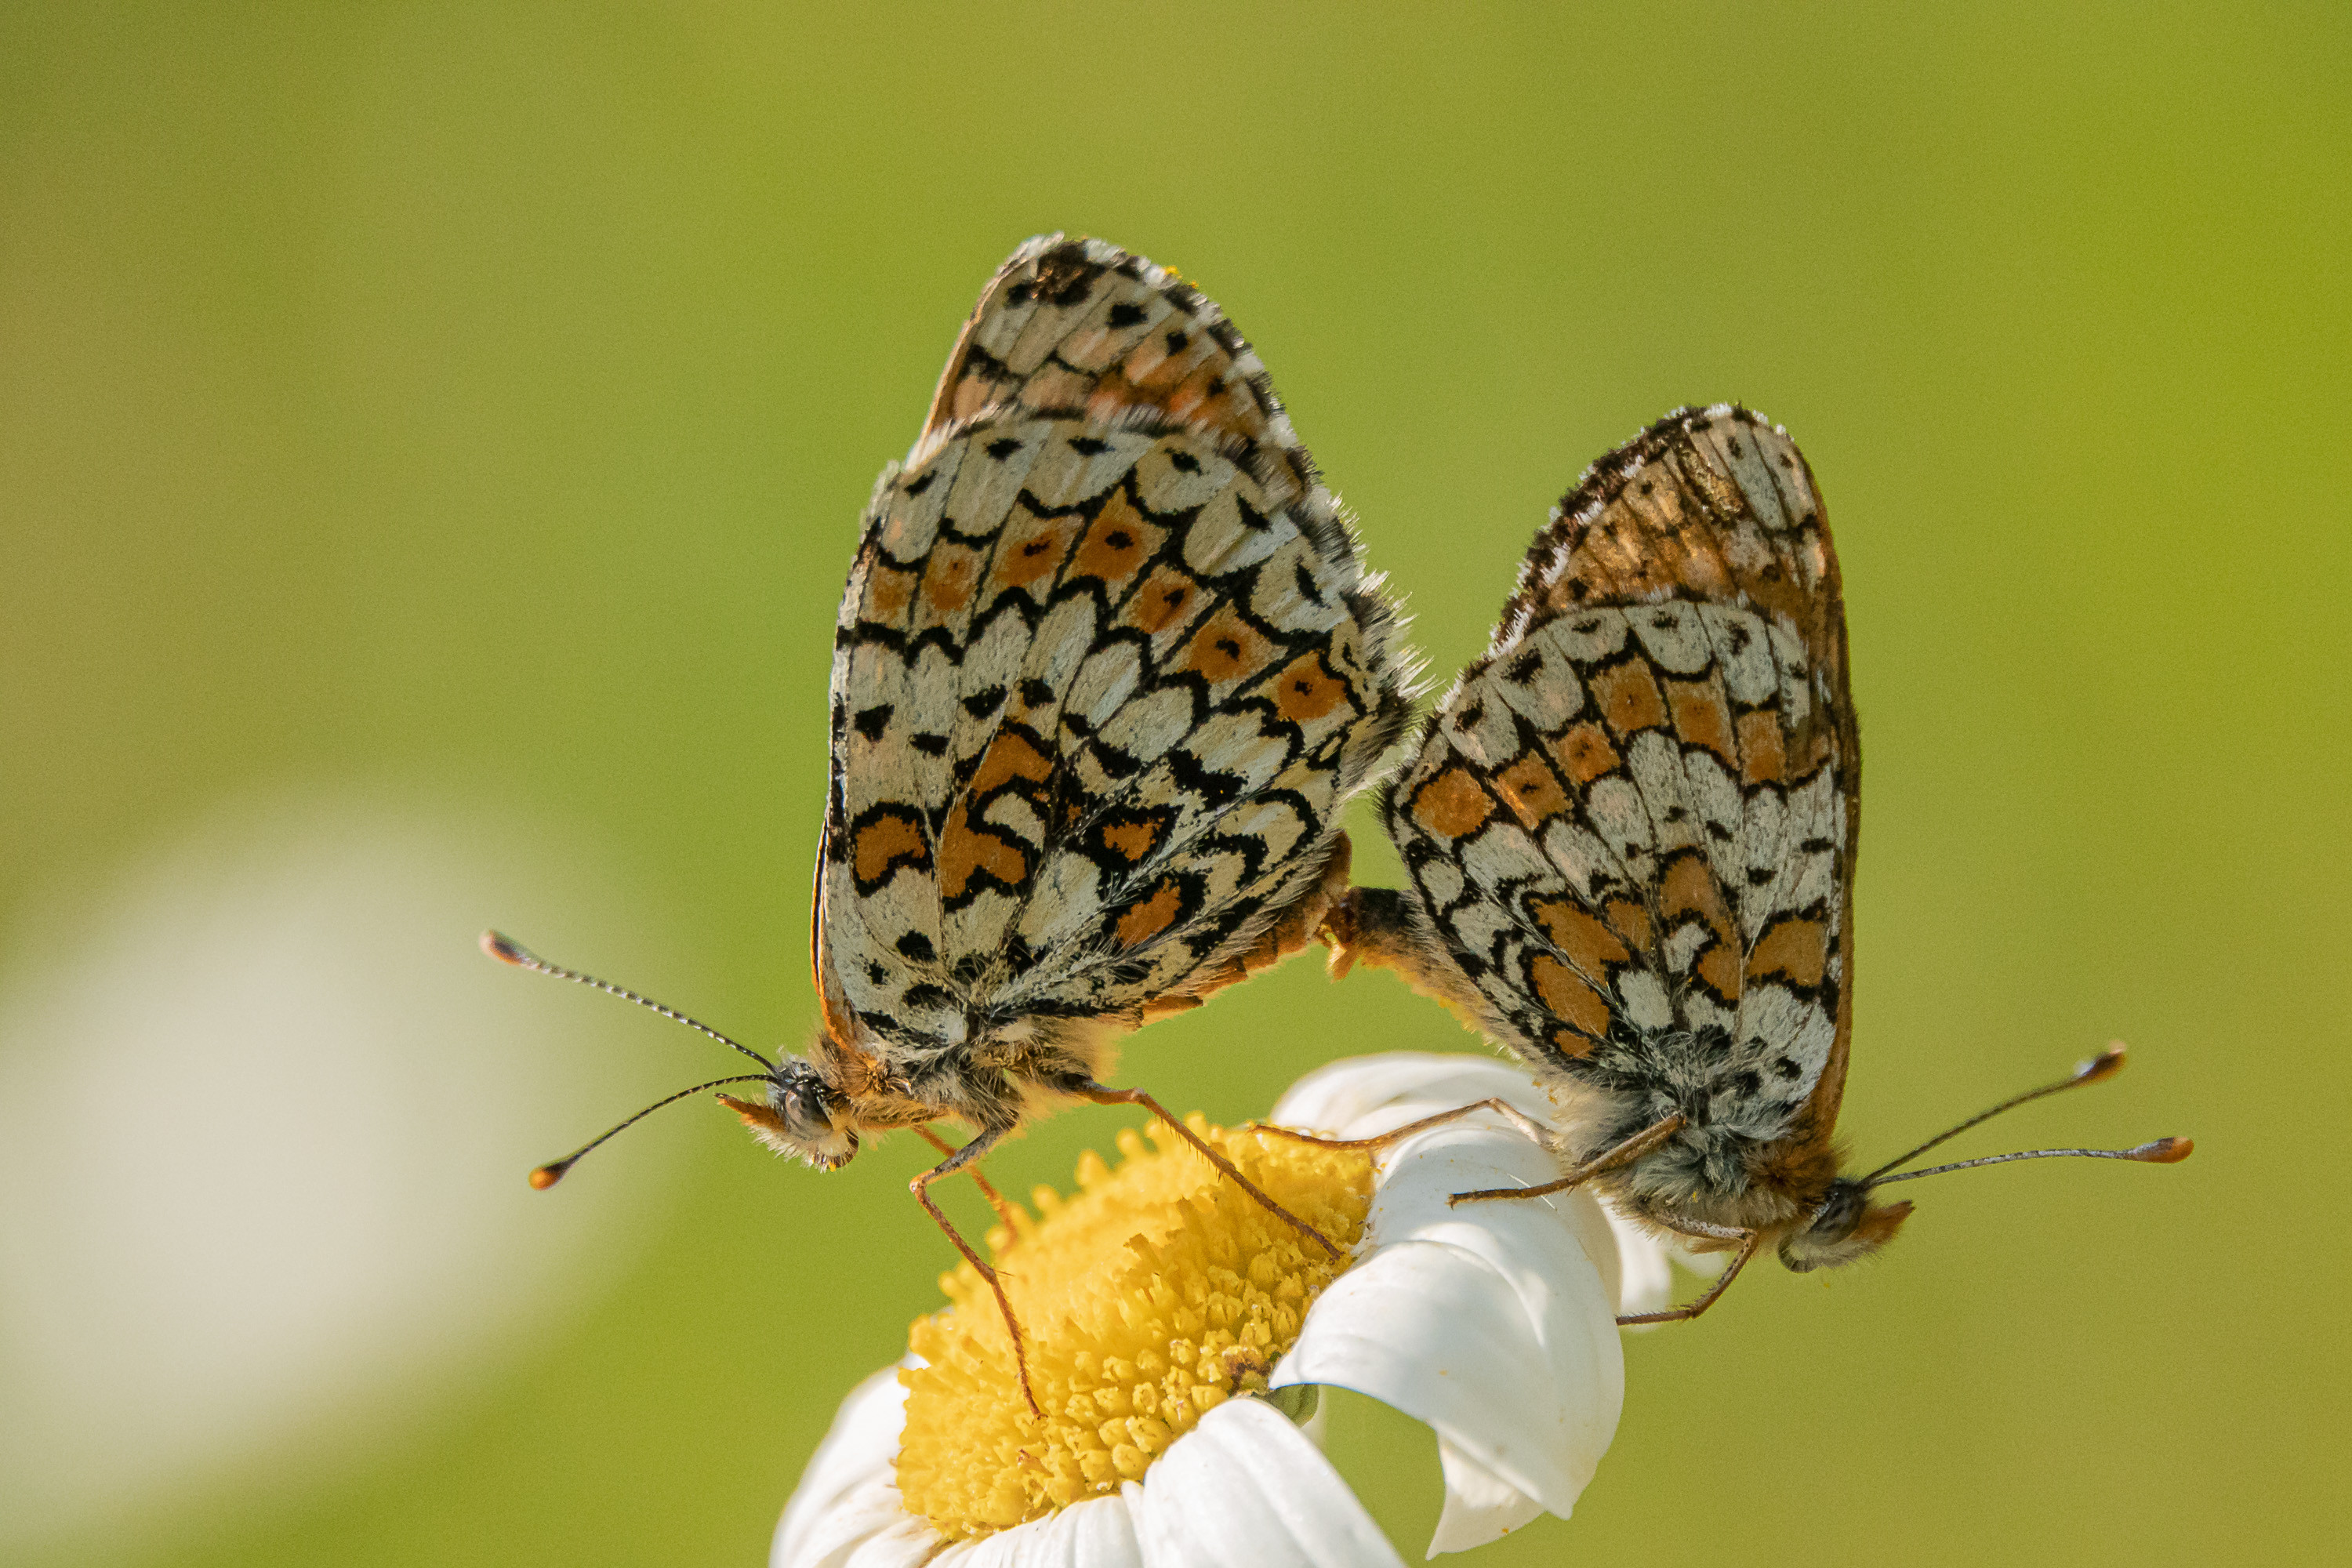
(484, 394)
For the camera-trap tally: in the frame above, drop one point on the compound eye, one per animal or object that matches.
(1837, 1219)
(805, 1112)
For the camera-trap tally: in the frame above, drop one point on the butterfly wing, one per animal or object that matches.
(1638, 813)
(1081, 328)
(1108, 668)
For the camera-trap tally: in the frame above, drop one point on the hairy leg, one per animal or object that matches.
(1723, 1282)
(960, 1158)
(1508, 1111)
(995, 1199)
(1100, 1094)
(1624, 1153)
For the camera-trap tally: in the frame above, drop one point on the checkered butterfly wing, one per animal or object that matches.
(1108, 667)
(1637, 813)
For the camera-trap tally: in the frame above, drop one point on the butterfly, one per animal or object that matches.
(1109, 667)
(1629, 831)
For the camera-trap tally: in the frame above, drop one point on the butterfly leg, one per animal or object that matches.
(1751, 1240)
(1623, 1153)
(1379, 1141)
(995, 1199)
(1700, 1230)
(1101, 1094)
(981, 1143)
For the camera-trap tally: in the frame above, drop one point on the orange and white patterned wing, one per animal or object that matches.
(1635, 817)
(1108, 668)
(1082, 328)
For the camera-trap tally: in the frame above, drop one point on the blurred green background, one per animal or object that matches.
(471, 406)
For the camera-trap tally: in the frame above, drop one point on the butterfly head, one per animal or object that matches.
(800, 1115)
(1845, 1227)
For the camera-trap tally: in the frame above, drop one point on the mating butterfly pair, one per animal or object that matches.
(1109, 665)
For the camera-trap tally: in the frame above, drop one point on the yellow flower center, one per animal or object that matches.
(1159, 1292)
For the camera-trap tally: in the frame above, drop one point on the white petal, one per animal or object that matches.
(1349, 1099)
(1493, 1322)
(1550, 1235)
(1096, 1534)
(846, 1508)
(1479, 1504)
(1244, 1489)
(907, 1543)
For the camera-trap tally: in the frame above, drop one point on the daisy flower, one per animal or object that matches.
(1178, 1334)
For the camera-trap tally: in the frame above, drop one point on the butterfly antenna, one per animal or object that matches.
(2105, 1065)
(2163, 1152)
(506, 949)
(547, 1176)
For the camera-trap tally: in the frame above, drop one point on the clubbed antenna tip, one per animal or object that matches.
(506, 949)
(2099, 1068)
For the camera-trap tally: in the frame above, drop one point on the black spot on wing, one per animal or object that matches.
(1200, 781)
(1304, 581)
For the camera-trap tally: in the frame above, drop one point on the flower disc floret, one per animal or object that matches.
(1158, 1292)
